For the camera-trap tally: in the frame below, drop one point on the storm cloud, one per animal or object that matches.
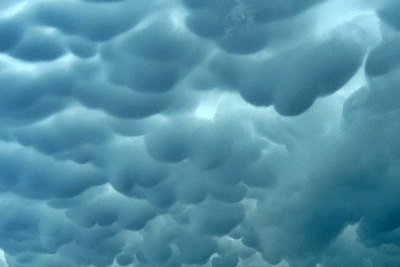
(215, 133)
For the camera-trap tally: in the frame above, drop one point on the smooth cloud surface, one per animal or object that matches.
(199, 133)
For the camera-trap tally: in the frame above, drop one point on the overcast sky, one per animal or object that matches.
(204, 133)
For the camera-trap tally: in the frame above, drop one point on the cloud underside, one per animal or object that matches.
(199, 133)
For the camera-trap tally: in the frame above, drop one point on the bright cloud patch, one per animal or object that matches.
(213, 133)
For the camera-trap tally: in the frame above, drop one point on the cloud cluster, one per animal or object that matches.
(199, 133)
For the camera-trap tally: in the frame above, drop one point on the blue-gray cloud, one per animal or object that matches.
(199, 133)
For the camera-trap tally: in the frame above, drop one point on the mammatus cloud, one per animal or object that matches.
(199, 133)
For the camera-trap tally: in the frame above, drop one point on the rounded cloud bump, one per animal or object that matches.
(181, 133)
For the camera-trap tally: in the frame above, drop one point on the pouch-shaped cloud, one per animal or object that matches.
(96, 22)
(199, 133)
(11, 34)
(293, 81)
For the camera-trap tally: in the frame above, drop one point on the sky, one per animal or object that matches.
(199, 133)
